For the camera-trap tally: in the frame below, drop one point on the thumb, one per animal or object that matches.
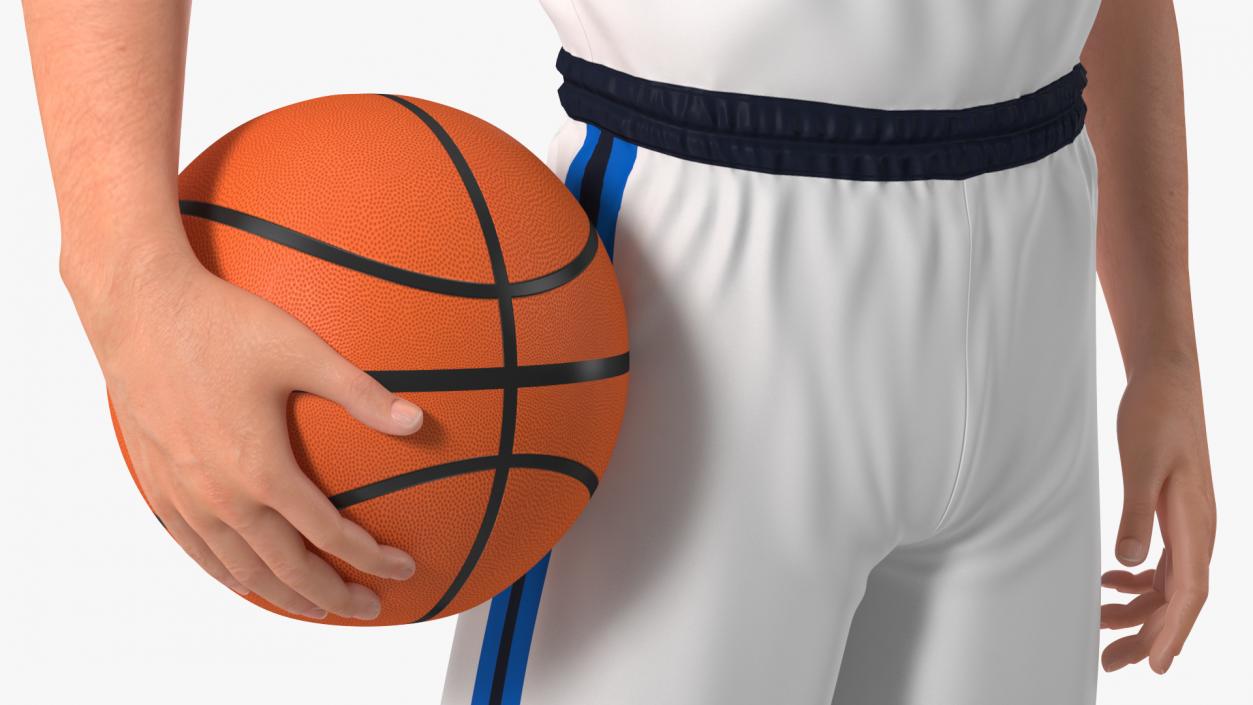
(363, 397)
(1136, 527)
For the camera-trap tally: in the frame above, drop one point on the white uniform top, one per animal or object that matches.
(889, 54)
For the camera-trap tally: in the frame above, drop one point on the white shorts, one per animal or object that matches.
(858, 464)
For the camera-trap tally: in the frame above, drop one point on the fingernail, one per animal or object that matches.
(371, 610)
(1130, 550)
(405, 413)
(316, 613)
(406, 567)
(243, 592)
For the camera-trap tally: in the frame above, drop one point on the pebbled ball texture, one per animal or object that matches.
(363, 173)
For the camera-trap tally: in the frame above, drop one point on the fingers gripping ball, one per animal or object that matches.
(435, 252)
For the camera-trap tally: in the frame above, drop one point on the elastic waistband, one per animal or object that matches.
(810, 138)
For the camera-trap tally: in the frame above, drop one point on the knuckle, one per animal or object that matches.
(1138, 507)
(1195, 595)
(212, 493)
(360, 386)
(248, 574)
(339, 602)
(1190, 599)
(291, 569)
(241, 517)
(182, 459)
(264, 486)
(330, 536)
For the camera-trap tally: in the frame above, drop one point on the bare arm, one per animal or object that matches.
(1137, 128)
(110, 82)
(198, 370)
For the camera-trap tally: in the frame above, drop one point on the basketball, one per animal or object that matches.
(435, 252)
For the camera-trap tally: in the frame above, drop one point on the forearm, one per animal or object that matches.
(109, 77)
(1136, 124)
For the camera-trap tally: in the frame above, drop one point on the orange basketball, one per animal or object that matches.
(435, 252)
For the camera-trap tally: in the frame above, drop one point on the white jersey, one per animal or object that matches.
(891, 54)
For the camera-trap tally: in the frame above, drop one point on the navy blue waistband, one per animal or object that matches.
(809, 138)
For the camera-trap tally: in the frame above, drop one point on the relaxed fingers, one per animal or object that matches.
(1181, 614)
(1183, 606)
(1124, 652)
(332, 377)
(1127, 582)
(284, 551)
(313, 515)
(1132, 614)
(1188, 579)
(250, 570)
(195, 547)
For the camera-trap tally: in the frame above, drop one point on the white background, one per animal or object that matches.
(100, 603)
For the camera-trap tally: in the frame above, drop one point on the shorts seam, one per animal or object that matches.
(587, 39)
(961, 453)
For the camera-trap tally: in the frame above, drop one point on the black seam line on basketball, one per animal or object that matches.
(500, 377)
(508, 341)
(594, 176)
(314, 247)
(466, 466)
(497, 694)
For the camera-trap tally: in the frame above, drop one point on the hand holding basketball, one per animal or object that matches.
(199, 373)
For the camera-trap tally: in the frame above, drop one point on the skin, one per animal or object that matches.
(199, 371)
(1136, 124)
(211, 448)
